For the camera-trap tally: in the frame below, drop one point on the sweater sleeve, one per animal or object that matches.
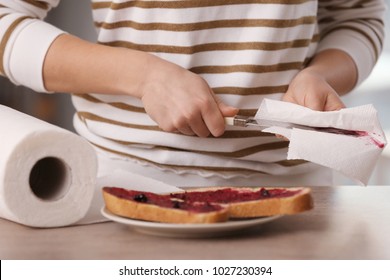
(24, 40)
(356, 27)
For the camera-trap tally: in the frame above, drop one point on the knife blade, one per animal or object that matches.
(245, 121)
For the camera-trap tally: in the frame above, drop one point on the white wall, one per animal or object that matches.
(73, 16)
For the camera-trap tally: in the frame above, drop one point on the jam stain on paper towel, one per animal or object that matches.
(370, 136)
(373, 140)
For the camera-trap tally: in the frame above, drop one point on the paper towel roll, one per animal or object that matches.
(47, 174)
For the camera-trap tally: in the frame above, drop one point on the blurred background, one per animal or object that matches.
(57, 108)
(75, 17)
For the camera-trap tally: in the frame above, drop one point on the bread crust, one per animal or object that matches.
(149, 212)
(298, 202)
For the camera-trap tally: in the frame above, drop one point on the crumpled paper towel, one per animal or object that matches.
(353, 155)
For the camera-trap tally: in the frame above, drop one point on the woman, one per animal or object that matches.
(151, 95)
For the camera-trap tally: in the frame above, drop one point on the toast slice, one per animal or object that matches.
(253, 202)
(161, 208)
(207, 205)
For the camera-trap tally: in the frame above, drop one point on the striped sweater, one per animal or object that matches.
(246, 50)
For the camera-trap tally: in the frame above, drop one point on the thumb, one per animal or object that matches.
(226, 110)
(334, 103)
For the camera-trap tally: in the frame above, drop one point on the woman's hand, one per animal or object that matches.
(311, 90)
(330, 73)
(181, 101)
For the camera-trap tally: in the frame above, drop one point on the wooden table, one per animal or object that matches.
(348, 222)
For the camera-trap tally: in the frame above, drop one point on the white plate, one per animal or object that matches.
(188, 230)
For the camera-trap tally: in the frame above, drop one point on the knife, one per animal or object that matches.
(245, 121)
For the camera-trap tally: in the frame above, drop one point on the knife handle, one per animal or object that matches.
(237, 120)
(229, 120)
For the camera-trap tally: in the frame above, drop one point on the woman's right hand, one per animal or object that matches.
(181, 101)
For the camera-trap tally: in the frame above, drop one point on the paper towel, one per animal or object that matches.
(47, 174)
(353, 155)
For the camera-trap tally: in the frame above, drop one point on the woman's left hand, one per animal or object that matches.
(311, 90)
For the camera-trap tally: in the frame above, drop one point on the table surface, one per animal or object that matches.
(348, 222)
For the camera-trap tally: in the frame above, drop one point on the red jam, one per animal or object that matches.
(379, 144)
(333, 130)
(229, 195)
(162, 200)
(150, 198)
(356, 133)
